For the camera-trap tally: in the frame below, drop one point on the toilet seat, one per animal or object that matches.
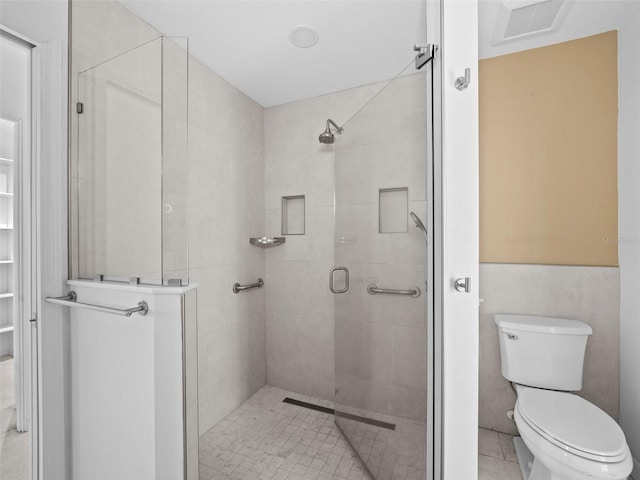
(573, 424)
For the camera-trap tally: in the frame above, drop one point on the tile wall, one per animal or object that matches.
(589, 294)
(300, 311)
(380, 340)
(226, 168)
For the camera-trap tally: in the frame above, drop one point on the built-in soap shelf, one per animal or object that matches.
(267, 242)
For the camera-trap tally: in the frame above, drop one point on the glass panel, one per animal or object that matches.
(175, 174)
(131, 179)
(119, 166)
(381, 338)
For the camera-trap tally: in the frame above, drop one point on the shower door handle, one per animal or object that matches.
(346, 280)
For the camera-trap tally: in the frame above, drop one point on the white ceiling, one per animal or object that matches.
(361, 41)
(247, 42)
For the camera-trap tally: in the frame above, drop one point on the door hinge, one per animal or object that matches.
(34, 321)
(79, 107)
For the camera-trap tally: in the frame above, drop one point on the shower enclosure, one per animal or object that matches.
(383, 345)
(350, 203)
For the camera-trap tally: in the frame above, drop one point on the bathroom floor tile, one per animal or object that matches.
(490, 468)
(508, 450)
(489, 443)
(265, 439)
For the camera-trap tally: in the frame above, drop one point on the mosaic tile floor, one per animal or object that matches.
(267, 439)
(389, 454)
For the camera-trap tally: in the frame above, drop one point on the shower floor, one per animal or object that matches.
(265, 438)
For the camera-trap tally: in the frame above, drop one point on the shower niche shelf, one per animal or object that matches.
(267, 242)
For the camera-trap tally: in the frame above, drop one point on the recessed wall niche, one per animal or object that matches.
(393, 210)
(293, 215)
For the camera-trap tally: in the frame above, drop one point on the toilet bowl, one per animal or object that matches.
(563, 436)
(570, 438)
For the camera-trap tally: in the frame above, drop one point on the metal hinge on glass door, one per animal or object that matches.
(426, 53)
(79, 107)
(34, 321)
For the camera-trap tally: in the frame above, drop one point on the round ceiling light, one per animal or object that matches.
(303, 36)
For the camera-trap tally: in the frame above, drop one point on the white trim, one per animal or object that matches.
(23, 304)
(17, 34)
(23, 255)
(36, 443)
(50, 210)
(127, 287)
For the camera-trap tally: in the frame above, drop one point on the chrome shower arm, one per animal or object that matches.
(338, 128)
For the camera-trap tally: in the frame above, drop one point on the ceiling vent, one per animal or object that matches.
(522, 18)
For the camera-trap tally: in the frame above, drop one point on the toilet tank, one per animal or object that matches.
(542, 352)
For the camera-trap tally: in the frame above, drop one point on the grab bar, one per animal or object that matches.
(372, 289)
(70, 300)
(237, 288)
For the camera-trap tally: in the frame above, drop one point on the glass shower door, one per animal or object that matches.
(381, 335)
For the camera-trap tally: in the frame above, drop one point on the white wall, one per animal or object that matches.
(127, 384)
(629, 231)
(460, 240)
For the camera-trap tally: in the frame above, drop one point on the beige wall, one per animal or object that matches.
(548, 154)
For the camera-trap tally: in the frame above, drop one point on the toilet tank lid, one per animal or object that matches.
(533, 323)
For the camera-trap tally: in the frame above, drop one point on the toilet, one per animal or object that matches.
(562, 435)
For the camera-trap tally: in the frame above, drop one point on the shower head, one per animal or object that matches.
(327, 136)
(419, 224)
